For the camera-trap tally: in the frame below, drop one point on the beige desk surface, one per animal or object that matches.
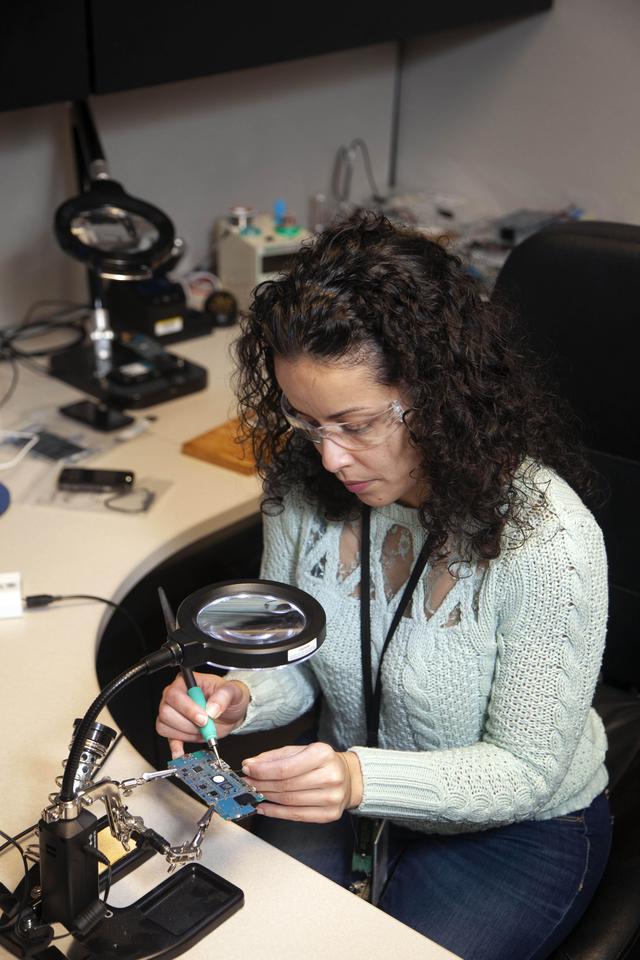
(47, 674)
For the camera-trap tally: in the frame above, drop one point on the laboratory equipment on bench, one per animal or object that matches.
(250, 624)
(253, 247)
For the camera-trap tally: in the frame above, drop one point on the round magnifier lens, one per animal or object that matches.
(249, 625)
(251, 619)
(111, 228)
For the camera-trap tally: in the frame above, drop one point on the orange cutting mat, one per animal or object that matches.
(220, 446)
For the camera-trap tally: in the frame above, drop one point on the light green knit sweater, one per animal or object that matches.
(486, 712)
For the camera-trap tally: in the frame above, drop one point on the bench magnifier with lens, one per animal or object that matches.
(253, 624)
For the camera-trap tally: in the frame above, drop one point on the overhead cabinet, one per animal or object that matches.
(53, 50)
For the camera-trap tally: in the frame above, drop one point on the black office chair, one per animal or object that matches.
(576, 287)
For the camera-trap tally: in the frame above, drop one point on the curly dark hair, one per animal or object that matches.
(369, 288)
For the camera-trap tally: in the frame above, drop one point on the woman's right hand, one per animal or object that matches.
(179, 718)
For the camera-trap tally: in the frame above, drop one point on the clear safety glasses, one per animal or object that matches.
(356, 434)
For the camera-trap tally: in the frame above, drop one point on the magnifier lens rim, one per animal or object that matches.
(109, 192)
(239, 654)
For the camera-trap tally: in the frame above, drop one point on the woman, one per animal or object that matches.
(419, 483)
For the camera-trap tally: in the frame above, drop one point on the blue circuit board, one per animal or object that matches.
(229, 795)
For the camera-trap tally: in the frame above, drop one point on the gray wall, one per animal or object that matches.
(538, 113)
(194, 148)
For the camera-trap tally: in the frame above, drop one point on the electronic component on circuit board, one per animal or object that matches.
(216, 784)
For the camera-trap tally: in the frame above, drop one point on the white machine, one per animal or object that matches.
(251, 248)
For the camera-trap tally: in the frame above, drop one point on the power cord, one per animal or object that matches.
(29, 830)
(70, 319)
(13, 383)
(25, 893)
(45, 599)
(43, 931)
(104, 859)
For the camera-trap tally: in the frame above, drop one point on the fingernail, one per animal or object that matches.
(213, 709)
(245, 768)
(201, 719)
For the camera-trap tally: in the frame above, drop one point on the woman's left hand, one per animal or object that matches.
(312, 783)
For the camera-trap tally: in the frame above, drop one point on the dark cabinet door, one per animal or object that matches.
(141, 42)
(43, 52)
(53, 50)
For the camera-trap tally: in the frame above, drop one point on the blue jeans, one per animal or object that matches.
(510, 893)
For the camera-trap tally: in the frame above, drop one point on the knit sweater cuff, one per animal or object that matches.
(395, 789)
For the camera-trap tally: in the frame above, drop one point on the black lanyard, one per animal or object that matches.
(373, 694)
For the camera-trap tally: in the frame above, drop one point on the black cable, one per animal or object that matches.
(104, 859)
(142, 497)
(70, 320)
(11, 389)
(38, 328)
(45, 599)
(70, 305)
(18, 836)
(32, 828)
(28, 328)
(25, 892)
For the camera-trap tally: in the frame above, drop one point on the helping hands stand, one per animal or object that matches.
(65, 886)
(252, 624)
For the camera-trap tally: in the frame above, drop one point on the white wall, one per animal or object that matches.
(537, 113)
(193, 148)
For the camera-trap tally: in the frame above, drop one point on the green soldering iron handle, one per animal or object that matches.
(209, 731)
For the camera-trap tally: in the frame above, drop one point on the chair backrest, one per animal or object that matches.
(576, 287)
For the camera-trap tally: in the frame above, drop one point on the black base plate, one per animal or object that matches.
(165, 922)
(76, 367)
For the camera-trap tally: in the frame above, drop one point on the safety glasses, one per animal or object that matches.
(357, 434)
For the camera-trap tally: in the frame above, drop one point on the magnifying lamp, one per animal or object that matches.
(119, 236)
(250, 624)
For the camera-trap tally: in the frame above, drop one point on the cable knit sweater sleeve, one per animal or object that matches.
(280, 695)
(550, 598)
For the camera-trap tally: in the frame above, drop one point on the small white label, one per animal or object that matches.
(134, 369)
(10, 595)
(162, 328)
(303, 651)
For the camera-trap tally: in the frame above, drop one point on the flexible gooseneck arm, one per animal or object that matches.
(90, 156)
(168, 655)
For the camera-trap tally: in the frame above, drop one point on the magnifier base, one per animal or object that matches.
(165, 922)
(76, 367)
